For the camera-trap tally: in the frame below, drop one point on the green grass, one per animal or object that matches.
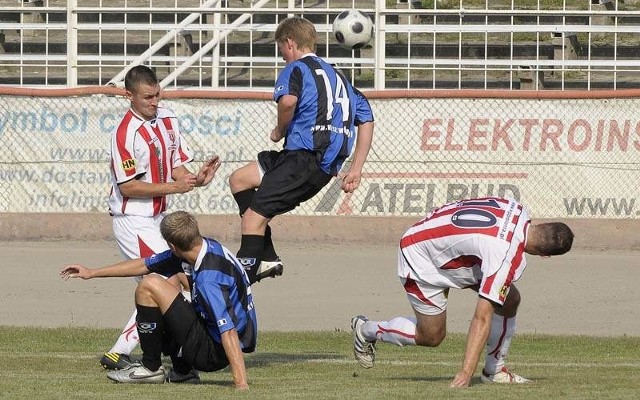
(63, 363)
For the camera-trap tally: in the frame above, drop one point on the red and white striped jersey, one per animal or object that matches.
(468, 243)
(148, 151)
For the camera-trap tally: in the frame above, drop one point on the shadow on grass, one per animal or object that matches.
(214, 382)
(266, 359)
(474, 381)
(424, 378)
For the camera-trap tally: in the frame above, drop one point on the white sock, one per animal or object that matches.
(502, 331)
(128, 339)
(400, 331)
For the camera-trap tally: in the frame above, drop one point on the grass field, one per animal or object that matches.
(63, 363)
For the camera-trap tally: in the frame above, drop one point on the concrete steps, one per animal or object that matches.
(242, 44)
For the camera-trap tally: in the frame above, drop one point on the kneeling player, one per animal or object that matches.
(207, 334)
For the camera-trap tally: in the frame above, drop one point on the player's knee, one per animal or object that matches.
(430, 337)
(233, 182)
(179, 281)
(151, 284)
(239, 180)
(430, 340)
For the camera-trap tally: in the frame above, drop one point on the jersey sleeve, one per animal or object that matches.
(289, 82)
(183, 154)
(364, 113)
(501, 267)
(124, 158)
(165, 263)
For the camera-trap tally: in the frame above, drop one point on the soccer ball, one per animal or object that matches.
(352, 29)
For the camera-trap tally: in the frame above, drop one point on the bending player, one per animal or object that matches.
(148, 158)
(478, 244)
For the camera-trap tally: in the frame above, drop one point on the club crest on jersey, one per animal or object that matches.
(172, 135)
(129, 164)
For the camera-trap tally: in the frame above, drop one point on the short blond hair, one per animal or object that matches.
(181, 230)
(298, 29)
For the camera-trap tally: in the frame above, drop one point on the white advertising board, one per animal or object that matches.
(562, 158)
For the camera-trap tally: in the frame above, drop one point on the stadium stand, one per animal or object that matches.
(444, 44)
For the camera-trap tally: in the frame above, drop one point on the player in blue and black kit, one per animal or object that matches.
(208, 334)
(318, 112)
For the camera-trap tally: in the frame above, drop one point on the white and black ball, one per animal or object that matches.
(352, 29)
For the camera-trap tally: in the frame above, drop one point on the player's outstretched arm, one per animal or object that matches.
(231, 345)
(351, 179)
(476, 340)
(208, 171)
(135, 267)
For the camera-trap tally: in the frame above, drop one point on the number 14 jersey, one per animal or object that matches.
(475, 242)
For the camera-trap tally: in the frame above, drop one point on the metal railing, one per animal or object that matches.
(462, 44)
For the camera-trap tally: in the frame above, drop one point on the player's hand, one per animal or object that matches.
(75, 271)
(350, 181)
(185, 183)
(462, 379)
(208, 171)
(241, 386)
(276, 135)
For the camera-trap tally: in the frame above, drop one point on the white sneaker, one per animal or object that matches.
(503, 376)
(269, 269)
(137, 373)
(365, 352)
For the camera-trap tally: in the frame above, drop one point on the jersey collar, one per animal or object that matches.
(201, 254)
(135, 114)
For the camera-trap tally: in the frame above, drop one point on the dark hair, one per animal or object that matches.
(139, 74)
(181, 230)
(555, 238)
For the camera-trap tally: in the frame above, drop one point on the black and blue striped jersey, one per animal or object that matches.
(327, 112)
(220, 291)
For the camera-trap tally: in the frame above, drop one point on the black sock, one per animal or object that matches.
(250, 254)
(269, 252)
(243, 199)
(180, 365)
(150, 331)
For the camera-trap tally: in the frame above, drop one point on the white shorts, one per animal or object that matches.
(427, 286)
(424, 298)
(138, 236)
